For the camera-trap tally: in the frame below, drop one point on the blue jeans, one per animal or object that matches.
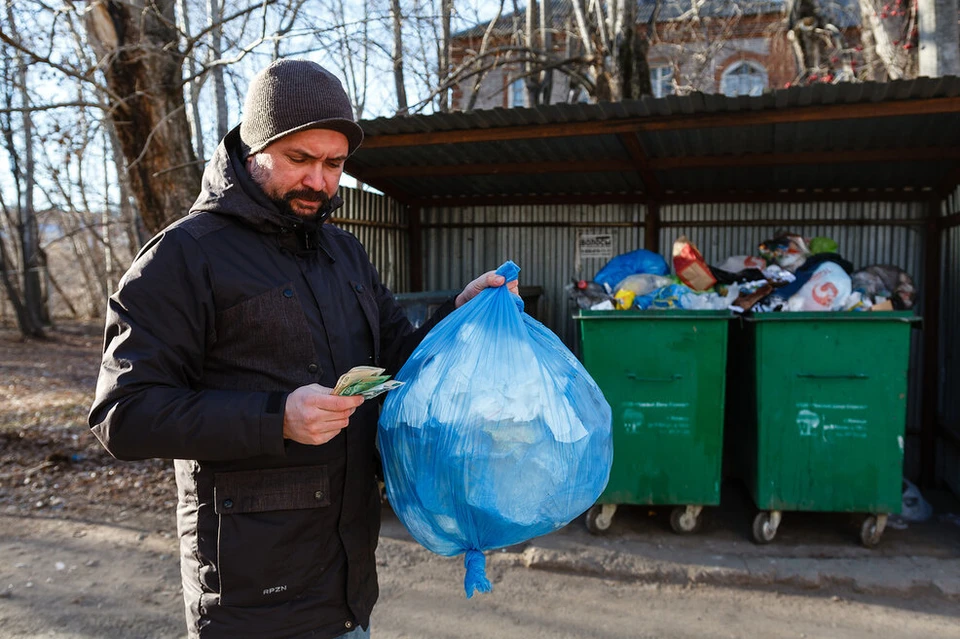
(356, 633)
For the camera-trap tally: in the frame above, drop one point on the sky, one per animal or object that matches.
(47, 87)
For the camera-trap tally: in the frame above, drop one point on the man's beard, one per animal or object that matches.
(282, 202)
(304, 195)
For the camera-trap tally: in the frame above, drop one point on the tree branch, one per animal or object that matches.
(191, 41)
(84, 77)
(60, 105)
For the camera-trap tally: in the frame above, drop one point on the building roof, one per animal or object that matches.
(870, 141)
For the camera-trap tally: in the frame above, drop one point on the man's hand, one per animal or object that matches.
(313, 416)
(490, 279)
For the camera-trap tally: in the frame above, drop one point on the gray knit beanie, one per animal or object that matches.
(294, 95)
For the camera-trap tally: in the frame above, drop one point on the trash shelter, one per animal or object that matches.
(563, 188)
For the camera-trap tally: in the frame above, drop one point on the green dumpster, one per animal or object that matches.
(663, 374)
(818, 410)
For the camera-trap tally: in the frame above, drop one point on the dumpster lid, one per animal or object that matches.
(586, 314)
(835, 316)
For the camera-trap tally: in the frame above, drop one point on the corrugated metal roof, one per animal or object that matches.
(901, 136)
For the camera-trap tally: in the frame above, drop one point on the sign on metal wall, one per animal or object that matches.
(595, 245)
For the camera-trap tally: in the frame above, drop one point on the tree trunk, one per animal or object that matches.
(632, 53)
(939, 39)
(478, 78)
(31, 308)
(64, 297)
(33, 297)
(132, 222)
(893, 32)
(546, 45)
(136, 42)
(24, 321)
(446, 16)
(873, 71)
(804, 21)
(193, 90)
(398, 80)
(215, 17)
(97, 301)
(530, 80)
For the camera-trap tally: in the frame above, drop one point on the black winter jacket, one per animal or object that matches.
(220, 317)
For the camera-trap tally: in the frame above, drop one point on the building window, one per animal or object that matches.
(518, 93)
(661, 81)
(744, 78)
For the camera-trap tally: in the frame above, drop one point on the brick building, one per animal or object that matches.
(721, 46)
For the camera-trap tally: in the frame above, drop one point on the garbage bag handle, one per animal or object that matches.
(509, 270)
(673, 378)
(837, 376)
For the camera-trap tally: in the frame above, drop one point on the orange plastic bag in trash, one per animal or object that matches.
(690, 266)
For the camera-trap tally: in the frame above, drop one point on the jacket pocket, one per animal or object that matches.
(370, 311)
(273, 524)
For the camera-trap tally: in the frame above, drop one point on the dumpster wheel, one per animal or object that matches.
(599, 517)
(872, 529)
(765, 526)
(686, 520)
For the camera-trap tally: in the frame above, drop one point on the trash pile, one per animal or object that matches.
(789, 273)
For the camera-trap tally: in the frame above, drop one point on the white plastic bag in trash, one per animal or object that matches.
(915, 507)
(826, 290)
(643, 283)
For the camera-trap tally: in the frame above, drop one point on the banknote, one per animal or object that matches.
(367, 381)
(379, 389)
(354, 375)
(364, 384)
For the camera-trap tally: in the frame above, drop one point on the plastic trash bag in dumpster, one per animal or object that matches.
(497, 436)
(625, 264)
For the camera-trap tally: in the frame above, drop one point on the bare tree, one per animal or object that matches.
(136, 44)
(112, 72)
(28, 299)
(443, 52)
(600, 49)
(215, 25)
(939, 38)
(890, 34)
(396, 18)
(615, 53)
(351, 48)
(481, 62)
(192, 88)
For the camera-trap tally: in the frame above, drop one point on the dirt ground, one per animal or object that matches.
(52, 466)
(88, 549)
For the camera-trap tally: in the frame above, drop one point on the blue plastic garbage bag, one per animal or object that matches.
(626, 264)
(668, 297)
(499, 434)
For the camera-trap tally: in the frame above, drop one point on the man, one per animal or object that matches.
(221, 348)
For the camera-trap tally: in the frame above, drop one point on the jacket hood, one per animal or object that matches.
(228, 189)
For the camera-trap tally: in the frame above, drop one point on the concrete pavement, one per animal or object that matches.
(810, 551)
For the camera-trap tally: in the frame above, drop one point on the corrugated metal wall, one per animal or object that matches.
(381, 225)
(949, 466)
(747, 225)
(459, 244)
